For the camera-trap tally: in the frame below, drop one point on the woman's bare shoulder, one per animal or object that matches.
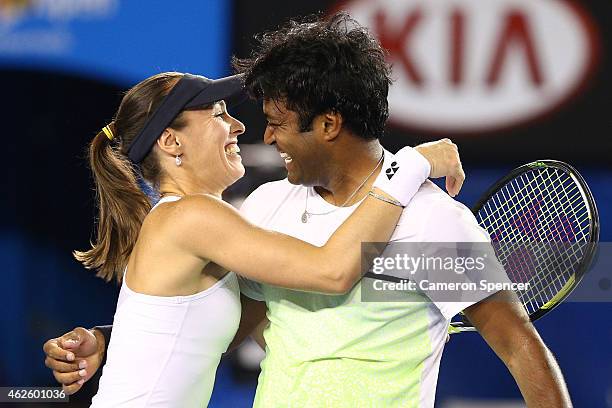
(192, 212)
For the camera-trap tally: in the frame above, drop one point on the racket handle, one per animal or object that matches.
(459, 327)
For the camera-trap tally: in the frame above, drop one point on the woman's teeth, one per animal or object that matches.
(286, 157)
(232, 149)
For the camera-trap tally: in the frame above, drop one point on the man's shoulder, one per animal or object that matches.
(277, 187)
(268, 195)
(432, 215)
(430, 199)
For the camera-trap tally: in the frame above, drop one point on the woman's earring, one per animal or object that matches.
(178, 160)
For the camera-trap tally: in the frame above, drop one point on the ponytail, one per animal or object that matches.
(122, 208)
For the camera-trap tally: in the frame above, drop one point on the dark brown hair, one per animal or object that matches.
(122, 205)
(322, 64)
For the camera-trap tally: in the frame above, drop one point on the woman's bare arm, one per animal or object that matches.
(212, 229)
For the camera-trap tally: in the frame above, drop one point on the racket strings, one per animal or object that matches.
(569, 250)
(565, 261)
(533, 218)
(551, 263)
(528, 234)
(535, 221)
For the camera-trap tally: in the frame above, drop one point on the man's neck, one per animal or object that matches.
(353, 171)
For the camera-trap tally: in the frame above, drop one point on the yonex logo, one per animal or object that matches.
(392, 170)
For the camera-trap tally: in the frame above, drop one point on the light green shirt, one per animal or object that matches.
(338, 351)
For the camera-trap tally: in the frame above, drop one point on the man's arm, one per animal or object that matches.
(252, 322)
(504, 324)
(257, 333)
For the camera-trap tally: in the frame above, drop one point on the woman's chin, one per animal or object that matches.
(236, 172)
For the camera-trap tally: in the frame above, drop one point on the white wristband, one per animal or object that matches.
(402, 174)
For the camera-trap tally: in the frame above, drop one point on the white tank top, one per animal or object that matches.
(164, 351)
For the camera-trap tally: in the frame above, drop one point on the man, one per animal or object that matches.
(324, 86)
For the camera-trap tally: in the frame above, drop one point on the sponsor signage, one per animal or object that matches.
(470, 66)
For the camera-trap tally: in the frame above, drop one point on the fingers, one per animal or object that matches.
(63, 367)
(450, 186)
(443, 156)
(70, 378)
(459, 179)
(67, 369)
(81, 341)
(454, 183)
(60, 366)
(72, 388)
(456, 175)
(69, 344)
(73, 338)
(53, 350)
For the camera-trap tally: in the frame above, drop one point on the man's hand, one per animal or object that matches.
(443, 156)
(75, 357)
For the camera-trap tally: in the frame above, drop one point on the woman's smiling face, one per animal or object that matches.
(210, 145)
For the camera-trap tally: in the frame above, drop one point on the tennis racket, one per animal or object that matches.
(544, 228)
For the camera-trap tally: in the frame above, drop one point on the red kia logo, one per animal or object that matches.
(469, 66)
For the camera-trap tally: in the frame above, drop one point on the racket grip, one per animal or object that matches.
(459, 327)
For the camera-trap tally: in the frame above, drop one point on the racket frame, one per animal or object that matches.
(464, 324)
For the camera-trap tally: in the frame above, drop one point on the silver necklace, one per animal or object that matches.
(306, 214)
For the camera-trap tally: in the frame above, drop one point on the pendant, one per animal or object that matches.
(305, 217)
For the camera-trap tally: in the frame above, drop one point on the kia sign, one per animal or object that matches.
(469, 66)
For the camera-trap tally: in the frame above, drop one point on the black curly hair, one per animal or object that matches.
(322, 64)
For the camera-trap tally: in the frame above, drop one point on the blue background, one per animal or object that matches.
(121, 41)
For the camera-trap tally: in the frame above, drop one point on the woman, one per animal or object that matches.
(177, 297)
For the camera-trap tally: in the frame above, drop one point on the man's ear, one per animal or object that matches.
(170, 143)
(329, 124)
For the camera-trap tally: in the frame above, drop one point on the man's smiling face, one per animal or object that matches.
(301, 151)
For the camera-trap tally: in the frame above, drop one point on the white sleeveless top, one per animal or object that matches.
(164, 351)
